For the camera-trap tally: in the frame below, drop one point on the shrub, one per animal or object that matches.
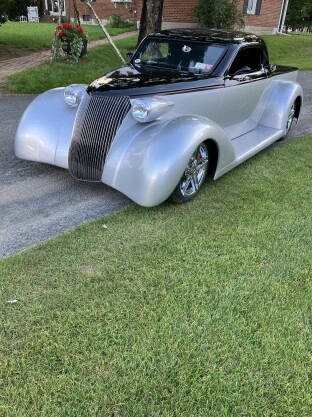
(221, 14)
(115, 21)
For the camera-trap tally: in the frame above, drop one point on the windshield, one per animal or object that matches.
(179, 55)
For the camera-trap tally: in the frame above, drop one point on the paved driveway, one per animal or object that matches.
(38, 201)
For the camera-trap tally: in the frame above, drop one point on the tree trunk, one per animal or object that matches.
(76, 12)
(151, 18)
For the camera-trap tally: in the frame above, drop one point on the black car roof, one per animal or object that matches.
(210, 35)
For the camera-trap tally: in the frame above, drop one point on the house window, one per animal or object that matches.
(252, 7)
(53, 7)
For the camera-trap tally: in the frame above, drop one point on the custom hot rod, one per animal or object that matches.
(190, 103)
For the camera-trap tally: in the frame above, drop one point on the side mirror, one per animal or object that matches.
(129, 55)
(242, 71)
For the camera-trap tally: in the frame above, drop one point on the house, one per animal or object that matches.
(261, 16)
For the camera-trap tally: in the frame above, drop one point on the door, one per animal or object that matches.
(245, 86)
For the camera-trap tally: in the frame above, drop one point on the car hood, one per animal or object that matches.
(150, 82)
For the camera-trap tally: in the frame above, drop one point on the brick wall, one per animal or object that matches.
(180, 13)
(103, 8)
(269, 14)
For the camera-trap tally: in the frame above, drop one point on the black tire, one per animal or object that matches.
(193, 177)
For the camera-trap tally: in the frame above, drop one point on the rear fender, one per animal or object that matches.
(280, 99)
(148, 167)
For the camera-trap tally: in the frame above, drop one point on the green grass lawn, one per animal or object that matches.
(294, 50)
(202, 309)
(40, 35)
(98, 61)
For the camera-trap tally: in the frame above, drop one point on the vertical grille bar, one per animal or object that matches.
(97, 121)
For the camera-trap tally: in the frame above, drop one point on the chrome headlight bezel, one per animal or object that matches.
(148, 109)
(74, 93)
(140, 110)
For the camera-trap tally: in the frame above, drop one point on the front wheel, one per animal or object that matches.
(193, 177)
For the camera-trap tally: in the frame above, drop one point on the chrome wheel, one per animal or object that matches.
(289, 122)
(290, 118)
(193, 176)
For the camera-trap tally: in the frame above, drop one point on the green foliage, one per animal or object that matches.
(221, 14)
(176, 311)
(3, 19)
(299, 14)
(15, 8)
(3, 11)
(115, 21)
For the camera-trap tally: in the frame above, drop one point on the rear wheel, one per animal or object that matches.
(290, 120)
(193, 177)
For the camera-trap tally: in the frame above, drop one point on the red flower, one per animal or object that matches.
(70, 32)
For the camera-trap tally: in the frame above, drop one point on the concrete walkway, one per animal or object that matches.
(14, 65)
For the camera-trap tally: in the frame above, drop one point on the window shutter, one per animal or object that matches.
(245, 6)
(258, 8)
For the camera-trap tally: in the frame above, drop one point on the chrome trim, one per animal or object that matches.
(97, 121)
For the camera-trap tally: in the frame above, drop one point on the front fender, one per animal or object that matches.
(150, 166)
(44, 131)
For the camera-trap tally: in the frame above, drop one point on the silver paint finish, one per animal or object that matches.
(281, 97)
(147, 164)
(146, 161)
(45, 129)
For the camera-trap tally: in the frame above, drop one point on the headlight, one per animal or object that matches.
(140, 110)
(148, 109)
(73, 94)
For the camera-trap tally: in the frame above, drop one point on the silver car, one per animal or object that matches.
(190, 103)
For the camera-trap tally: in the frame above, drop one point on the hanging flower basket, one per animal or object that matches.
(73, 41)
(66, 47)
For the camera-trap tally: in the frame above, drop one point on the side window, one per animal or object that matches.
(247, 60)
(252, 7)
(155, 51)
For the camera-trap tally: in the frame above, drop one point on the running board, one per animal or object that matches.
(250, 144)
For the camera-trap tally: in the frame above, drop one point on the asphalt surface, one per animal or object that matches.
(38, 201)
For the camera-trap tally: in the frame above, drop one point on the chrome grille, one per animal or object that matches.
(97, 121)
